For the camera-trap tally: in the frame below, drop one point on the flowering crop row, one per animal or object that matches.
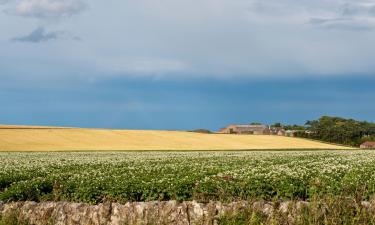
(144, 176)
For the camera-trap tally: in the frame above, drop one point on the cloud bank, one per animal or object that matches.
(49, 8)
(39, 35)
(206, 38)
(47, 11)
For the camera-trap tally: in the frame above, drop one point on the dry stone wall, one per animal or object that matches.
(169, 212)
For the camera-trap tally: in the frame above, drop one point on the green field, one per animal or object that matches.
(227, 176)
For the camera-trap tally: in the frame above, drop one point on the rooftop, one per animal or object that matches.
(372, 143)
(249, 125)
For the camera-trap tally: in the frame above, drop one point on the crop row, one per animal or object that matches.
(143, 176)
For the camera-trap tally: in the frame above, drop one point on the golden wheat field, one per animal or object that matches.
(27, 138)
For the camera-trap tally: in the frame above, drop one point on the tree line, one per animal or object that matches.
(336, 130)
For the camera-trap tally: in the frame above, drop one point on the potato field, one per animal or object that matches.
(96, 177)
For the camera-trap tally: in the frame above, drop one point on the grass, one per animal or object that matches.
(12, 219)
(331, 210)
(24, 138)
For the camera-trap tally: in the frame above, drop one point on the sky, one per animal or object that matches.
(185, 64)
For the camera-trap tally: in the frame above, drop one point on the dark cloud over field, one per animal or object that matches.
(222, 39)
(163, 45)
(39, 35)
(44, 9)
(158, 104)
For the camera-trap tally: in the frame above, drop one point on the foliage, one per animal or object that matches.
(294, 127)
(203, 131)
(133, 176)
(278, 125)
(12, 219)
(331, 210)
(339, 130)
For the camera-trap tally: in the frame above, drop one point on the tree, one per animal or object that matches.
(340, 130)
(294, 127)
(277, 125)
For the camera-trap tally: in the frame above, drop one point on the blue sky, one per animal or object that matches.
(170, 64)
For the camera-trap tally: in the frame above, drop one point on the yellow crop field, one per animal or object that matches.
(26, 138)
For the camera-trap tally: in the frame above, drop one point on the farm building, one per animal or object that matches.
(277, 131)
(245, 129)
(368, 145)
(292, 133)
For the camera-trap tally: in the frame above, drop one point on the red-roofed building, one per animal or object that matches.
(245, 129)
(368, 145)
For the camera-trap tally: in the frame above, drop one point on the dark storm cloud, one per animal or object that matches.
(39, 35)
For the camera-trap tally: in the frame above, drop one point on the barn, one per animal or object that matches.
(368, 145)
(245, 129)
